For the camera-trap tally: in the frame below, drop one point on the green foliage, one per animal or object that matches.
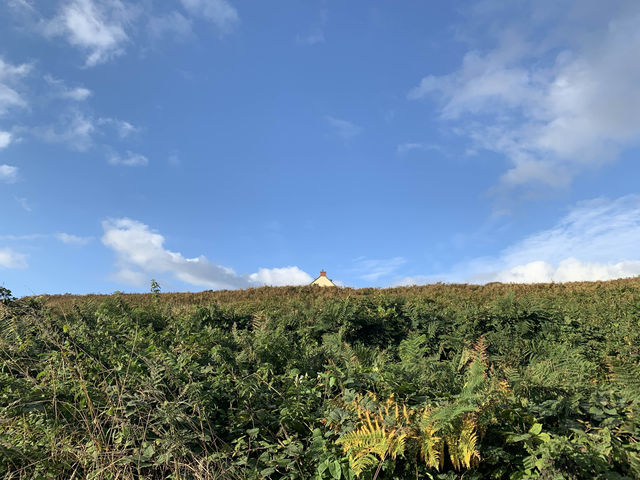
(155, 287)
(440, 382)
(5, 296)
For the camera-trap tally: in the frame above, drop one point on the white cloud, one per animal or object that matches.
(404, 148)
(407, 147)
(70, 239)
(11, 73)
(141, 254)
(9, 98)
(125, 128)
(8, 173)
(104, 29)
(568, 270)
(278, 277)
(5, 139)
(172, 23)
(599, 230)
(219, 12)
(10, 76)
(59, 89)
(554, 106)
(596, 240)
(343, 128)
(22, 238)
(130, 159)
(66, 238)
(23, 203)
(78, 94)
(12, 259)
(96, 27)
(122, 127)
(76, 131)
(20, 5)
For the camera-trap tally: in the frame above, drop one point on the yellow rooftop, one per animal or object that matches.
(323, 281)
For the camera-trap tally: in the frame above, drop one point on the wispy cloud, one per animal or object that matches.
(99, 28)
(22, 238)
(8, 173)
(316, 35)
(78, 130)
(170, 24)
(122, 127)
(404, 148)
(59, 89)
(24, 203)
(219, 12)
(10, 81)
(596, 240)
(73, 124)
(11, 259)
(66, 238)
(105, 29)
(70, 239)
(343, 128)
(553, 104)
(21, 5)
(69, 119)
(129, 159)
(174, 159)
(74, 129)
(140, 254)
(371, 270)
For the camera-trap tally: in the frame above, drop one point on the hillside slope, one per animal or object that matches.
(441, 381)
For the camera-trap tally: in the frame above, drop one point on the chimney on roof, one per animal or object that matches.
(323, 273)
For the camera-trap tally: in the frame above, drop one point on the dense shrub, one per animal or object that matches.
(441, 382)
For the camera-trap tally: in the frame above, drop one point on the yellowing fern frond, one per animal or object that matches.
(382, 431)
(431, 447)
(376, 439)
(462, 445)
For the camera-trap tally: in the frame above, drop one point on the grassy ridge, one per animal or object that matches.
(442, 381)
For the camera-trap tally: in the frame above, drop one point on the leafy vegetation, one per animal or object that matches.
(439, 382)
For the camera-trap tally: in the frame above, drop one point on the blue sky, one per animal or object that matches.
(228, 144)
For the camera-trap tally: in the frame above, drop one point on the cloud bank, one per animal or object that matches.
(597, 240)
(140, 254)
